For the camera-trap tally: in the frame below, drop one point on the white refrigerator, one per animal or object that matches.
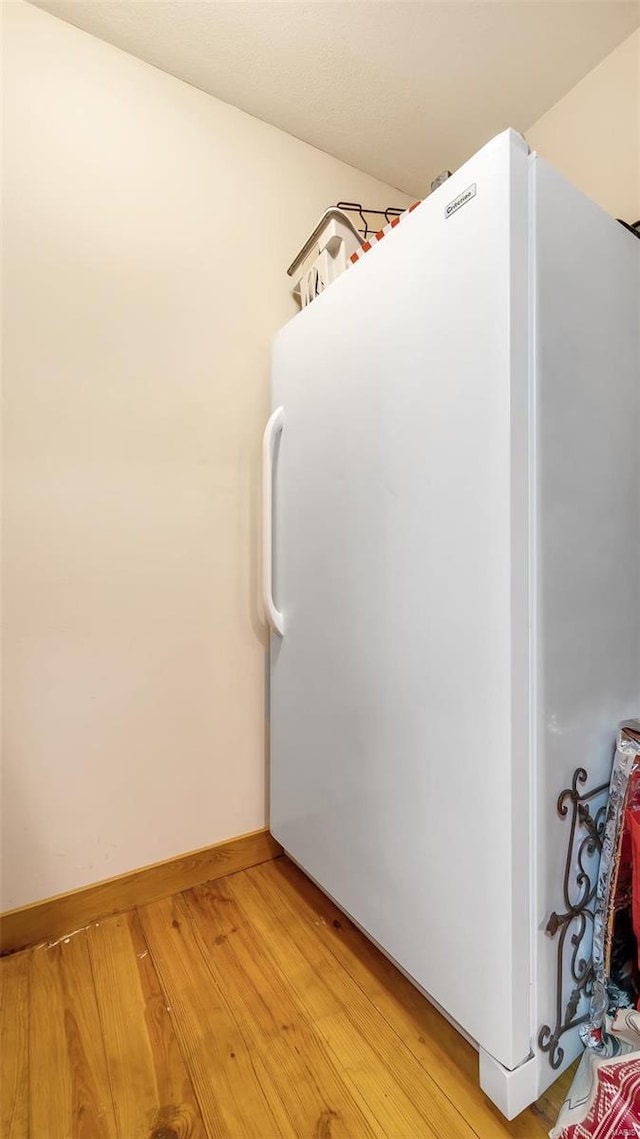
(452, 577)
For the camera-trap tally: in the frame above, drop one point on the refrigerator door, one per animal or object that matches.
(399, 688)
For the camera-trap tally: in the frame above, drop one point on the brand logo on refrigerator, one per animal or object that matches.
(461, 200)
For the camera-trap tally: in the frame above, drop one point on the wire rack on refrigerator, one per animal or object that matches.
(363, 213)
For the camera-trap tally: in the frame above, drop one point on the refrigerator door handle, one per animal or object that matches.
(271, 431)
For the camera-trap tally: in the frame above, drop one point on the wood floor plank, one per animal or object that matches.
(434, 1043)
(250, 1008)
(70, 1097)
(352, 1024)
(14, 1046)
(231, 1087)
(550, 1102)
(152, 1093)
(315, 1093)
(404, 1098)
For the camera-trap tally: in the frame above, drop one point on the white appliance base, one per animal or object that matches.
(511, 1091)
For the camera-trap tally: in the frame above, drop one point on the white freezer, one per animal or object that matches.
(454, 572)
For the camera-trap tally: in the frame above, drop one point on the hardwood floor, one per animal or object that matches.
(247, 1007)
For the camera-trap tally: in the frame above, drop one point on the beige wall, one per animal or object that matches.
(147, 232)
(593, 135)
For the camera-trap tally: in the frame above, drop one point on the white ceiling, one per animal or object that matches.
(398, 89)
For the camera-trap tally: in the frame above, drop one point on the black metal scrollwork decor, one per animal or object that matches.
(585, 840)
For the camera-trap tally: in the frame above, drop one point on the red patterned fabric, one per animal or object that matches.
(603, 1101)
(633, 823)
(614, 1112)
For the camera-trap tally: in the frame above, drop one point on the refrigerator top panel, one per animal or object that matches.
(399, 691)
